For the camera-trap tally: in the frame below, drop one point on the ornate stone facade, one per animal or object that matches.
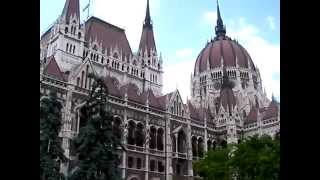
(163, 134)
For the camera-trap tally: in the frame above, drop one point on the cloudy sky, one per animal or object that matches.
(182, 28)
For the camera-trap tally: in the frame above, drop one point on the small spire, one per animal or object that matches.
(273, 98)
(220, 28)
(147, 20)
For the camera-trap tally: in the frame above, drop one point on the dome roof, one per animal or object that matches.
(222, 50)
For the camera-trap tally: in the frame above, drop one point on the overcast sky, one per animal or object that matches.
(182, 28)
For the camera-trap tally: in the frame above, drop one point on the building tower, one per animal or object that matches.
(148, 54)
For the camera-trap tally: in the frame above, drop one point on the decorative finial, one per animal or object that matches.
(147, 20)
(220, 28)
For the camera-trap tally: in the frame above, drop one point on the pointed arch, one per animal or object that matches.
(173, 144)
(194, 146)
(116, 127)
(182, 140)
(139, 135)
(131, 134)
(200, 147)
(160, 133)
(153, 132)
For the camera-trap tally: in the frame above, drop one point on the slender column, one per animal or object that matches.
(168, 148)
(147, 142)
(176, 142)
(205, 135)
(124, 141)
(66, 128)
(125, 134)
(189, 149)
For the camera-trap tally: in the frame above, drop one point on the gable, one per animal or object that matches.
(80, 75)
(176, 105)
(52, 69)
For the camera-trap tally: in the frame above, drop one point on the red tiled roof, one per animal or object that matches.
(52, 69)
(147, 41)
(272, 110)
(154, 101)
(252, 116)
(162, 101)
(197, 113)
(109, 35)
(220, 48)
(132, 92)
(71, 7)
(133, 95)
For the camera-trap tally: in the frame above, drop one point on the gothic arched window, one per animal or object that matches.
(181, 142)
(160, 139)
(87, 73)
(173, 139)
(82, 78)
(200, 147)
(116, 127)
(131, 129)
(139, 135)
(78, 81)
(194, 146)
(152, 137)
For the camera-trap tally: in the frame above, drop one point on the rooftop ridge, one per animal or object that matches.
(92, 18)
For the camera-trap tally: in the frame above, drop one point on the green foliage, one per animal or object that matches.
(51, 152)
(214, 165)
(256, 158)
(96, 145)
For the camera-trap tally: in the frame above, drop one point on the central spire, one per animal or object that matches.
(147, 20)
(147, 41)
(220, 28)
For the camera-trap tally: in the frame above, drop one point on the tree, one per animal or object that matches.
(51, 152)
(96, 145)
(255, 158)
(214, 165)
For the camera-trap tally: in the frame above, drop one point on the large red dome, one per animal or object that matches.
(222, 50)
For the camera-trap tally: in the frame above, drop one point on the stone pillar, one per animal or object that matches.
(205, 135)
(66, 128)
(124, 141)
(189, 149)
(168, 150)
(147, 143)
(176, 141)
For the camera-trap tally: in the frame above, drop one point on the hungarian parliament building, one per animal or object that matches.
(162, 133)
